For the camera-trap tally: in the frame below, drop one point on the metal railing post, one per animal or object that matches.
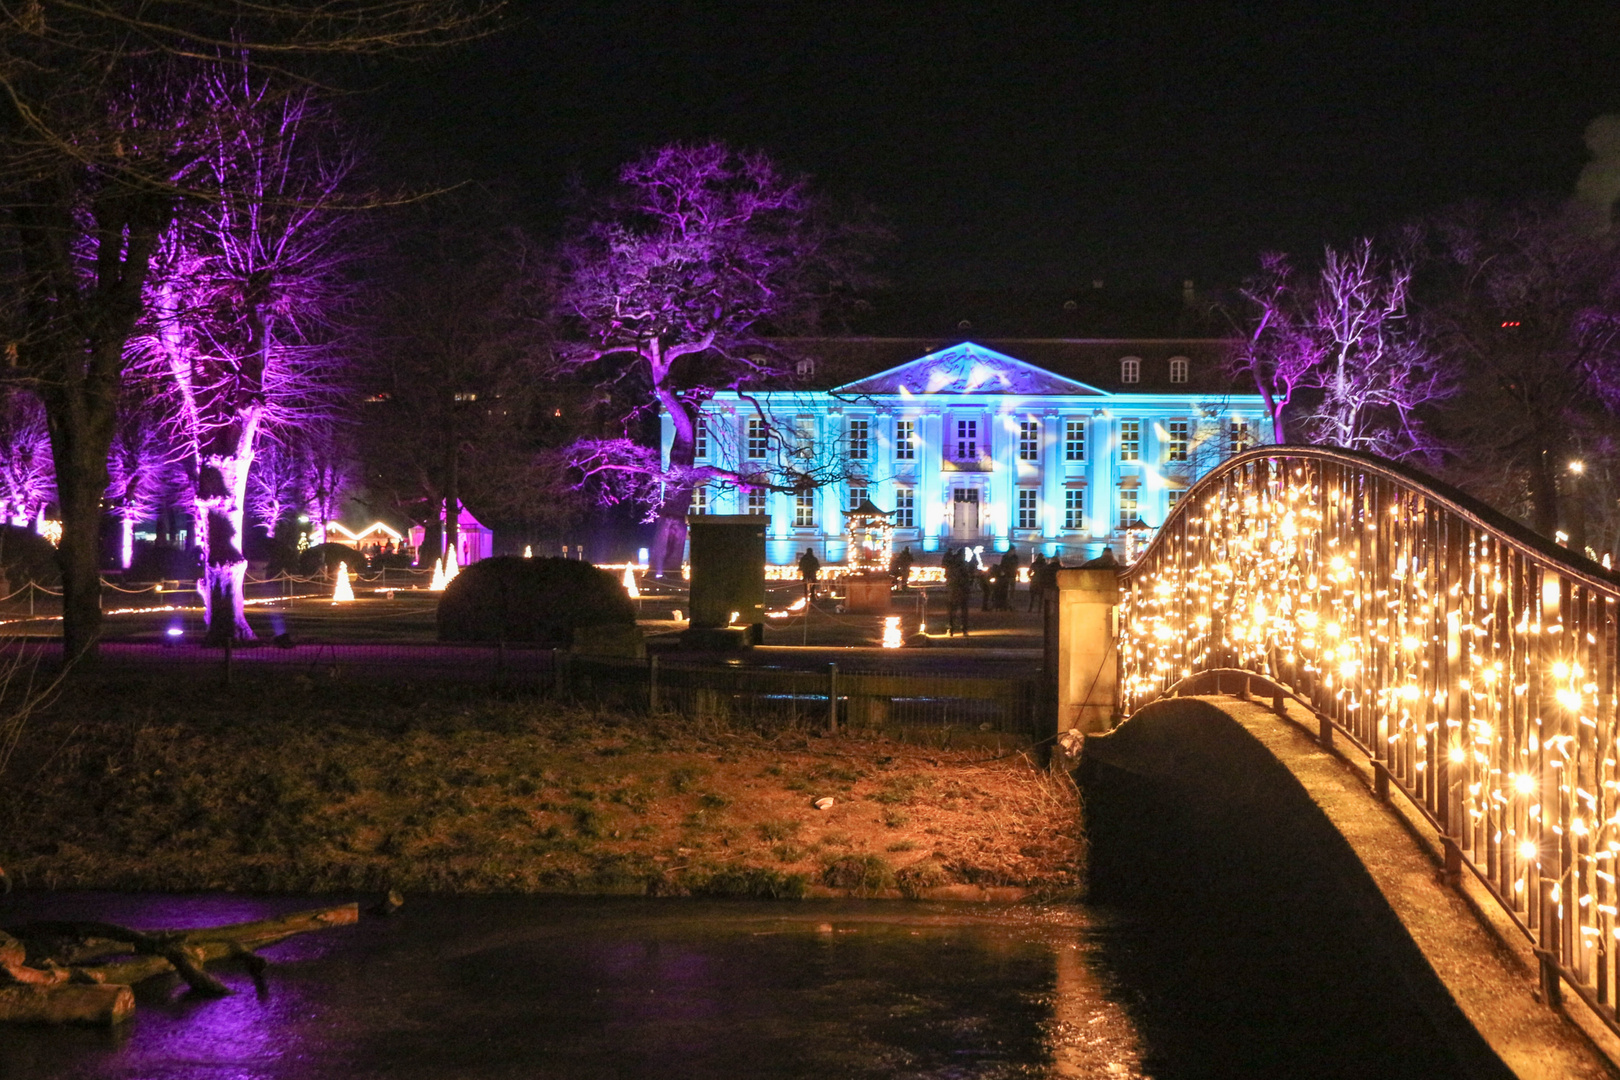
(832, 698)
(652, 684)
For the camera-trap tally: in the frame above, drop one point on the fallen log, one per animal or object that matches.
(81, 941)
(100, 994)
(67, 1003)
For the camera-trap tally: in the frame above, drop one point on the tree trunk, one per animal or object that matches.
(80, 438)
(669, 540)
(1543, 494)
(452, 498)
(221, 504)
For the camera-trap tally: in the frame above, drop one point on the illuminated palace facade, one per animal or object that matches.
(978, 446)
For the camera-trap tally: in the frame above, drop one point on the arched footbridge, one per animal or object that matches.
(1465, 664)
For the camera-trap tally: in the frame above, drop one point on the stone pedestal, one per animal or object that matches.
(866, 596)
(1087, 655)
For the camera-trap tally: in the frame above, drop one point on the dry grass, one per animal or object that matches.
(318, 787)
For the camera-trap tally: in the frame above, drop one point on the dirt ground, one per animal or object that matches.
(304, 785)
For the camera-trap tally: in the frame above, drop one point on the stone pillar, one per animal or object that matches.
(1088, 659)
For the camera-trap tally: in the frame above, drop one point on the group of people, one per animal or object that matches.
(997, 584)
(963, 569)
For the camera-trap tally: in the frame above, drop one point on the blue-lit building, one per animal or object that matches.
(1061, 445)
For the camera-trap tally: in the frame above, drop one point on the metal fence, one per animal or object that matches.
(864, 698)
(828, 697)
(1471, 660)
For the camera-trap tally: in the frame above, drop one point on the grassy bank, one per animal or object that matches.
(312, 785)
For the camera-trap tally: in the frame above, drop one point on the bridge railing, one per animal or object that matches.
(1471, 660)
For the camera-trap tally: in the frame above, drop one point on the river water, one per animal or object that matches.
(525, 987)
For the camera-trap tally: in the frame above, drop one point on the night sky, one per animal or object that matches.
(1041, 145)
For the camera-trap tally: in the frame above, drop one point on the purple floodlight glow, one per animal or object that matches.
(239, 332)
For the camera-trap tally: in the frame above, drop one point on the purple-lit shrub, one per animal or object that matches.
(530, 600)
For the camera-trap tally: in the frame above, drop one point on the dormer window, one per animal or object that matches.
(1178, 369)
(1130, 369)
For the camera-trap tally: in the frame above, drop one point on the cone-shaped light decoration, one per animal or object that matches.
(630, 583)
(437, 584)
(450, 567)
(342, 592)
(528, 551)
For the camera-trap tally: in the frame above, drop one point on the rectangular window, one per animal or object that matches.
(1029, 508)
(1029, 440)
(700, 499)
(1130, 440)
(1127, 507)
(905, 440)
(1074, 440)
(1239, 438)
(804, 437)
(967, 440)
(1074, 508)
(804, 510)
(1172, 499)
(756, 439)
(1176, 445)
(700, 441)
(857, 495)
(756, 502)
(860, 439)
(905, 508)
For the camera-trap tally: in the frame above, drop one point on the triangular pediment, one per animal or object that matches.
(966, 369)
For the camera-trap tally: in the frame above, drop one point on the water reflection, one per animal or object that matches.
(520, 987)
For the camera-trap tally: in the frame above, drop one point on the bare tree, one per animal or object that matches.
(140, 465)
(1526, 300)
(241, 304)
(27, 481)
(102, 130)
(667, 290)
(1338, 356)
(454, 373)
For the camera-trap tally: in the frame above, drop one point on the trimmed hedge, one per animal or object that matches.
(27, 556)
(326, 557)
(159, 562)
(540, 600)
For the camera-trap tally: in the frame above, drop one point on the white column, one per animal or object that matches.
(930, 495)
(1051, 474)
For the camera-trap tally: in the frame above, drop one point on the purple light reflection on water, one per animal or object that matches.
(522, 987)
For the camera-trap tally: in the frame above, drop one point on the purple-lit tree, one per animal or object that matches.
(667, 290)
(240, 304)
(1276, 353)
(27, 481)
(101, 130)
(139, 466)
(1339, 357)
(307, 470)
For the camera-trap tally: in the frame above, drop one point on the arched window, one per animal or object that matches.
(1130, 369)
(805, 367)
(1178, 369)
